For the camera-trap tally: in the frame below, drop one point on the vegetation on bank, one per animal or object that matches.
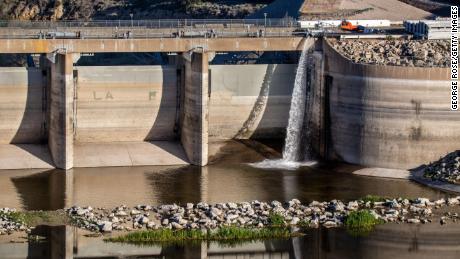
(357, 223)
(361, 222)
(34, 218)
(229, 233)
(276, 220)
(373, 198)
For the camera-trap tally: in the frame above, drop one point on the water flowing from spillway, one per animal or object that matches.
(294, 155)
(297, 112)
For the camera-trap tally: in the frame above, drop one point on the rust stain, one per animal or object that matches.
(148, 45)
(40, 46)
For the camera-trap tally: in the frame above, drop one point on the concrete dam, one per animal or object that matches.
(62, 115)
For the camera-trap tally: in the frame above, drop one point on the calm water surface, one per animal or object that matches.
(386, 241)
(229, 178)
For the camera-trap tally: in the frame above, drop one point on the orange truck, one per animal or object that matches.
(348, 26)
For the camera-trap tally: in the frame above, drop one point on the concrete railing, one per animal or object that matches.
(152, 24)
(147, 28)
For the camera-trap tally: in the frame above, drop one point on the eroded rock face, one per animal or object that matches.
(112, 9)
(413, 53)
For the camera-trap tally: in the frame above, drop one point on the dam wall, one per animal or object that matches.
(90, 116)
(22, 106)
(387, 116)
(126, 103)
(139, 103)
(250, 100)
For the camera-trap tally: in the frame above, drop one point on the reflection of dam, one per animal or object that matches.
(221, 182)
(387, 241)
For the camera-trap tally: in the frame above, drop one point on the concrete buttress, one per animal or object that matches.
(195, 123)
(61, 111)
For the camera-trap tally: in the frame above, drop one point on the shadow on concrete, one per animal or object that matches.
(31, 136)
(274, 105)
(337, 95)
(173, 148)
(42, 191)
(259, 105)
(40, 151)
(159, 131)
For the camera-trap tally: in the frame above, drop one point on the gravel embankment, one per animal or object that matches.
(412, 53)
(446, 169)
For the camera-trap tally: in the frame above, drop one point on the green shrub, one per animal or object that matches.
(361, 222)
(373, 198)
(276, 219)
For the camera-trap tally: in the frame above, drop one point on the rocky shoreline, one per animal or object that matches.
(446, 169)
(396, 52)
(254, 214)
(10, 222)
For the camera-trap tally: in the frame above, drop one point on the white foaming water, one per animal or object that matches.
(297, 111)
(281, 164)
(291, 154)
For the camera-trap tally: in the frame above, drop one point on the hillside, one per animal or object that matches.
(121, 9)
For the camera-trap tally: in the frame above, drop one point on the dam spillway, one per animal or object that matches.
(61, 115)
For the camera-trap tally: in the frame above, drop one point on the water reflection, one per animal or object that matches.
(227, 179)
(109, 187)
(387, 241)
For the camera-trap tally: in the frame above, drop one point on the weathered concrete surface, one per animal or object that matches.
(250, 100)
(316, 120)
(194, 126)
(388, 116)
(22, 113)
(61, 118)
(383, 172)
(129, 154)
(150, 45)
(126, 103)
(25, 156)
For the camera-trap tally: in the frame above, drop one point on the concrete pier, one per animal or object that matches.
(195, 123)
(61, 111)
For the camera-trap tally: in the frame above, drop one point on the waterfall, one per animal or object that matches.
(297, 134)
(297, 111)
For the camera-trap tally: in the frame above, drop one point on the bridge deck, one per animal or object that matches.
(291, 43)
(149, 36)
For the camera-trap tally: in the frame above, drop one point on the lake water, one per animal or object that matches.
(229, 178)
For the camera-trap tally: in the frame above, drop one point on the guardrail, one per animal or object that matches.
(128, 29)
(154, 24)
